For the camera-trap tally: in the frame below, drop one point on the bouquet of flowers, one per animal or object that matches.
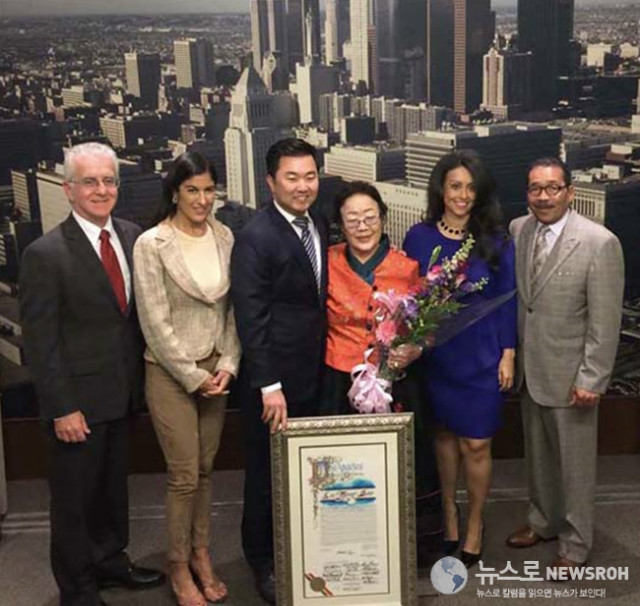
(411, 318)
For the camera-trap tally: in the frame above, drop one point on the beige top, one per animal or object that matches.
(183, 322)
(200, 254)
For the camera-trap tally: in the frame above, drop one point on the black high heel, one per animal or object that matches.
(471, 559)
(448, 546)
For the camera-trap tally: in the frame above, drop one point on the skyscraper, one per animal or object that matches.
(143, 76)
(295, 33)
(195, 64)
(337, 28)
(459, 33)
(545, 28)
(507, 86)
(311, 25)
(268, 31)
(249, 136)
(364, 64)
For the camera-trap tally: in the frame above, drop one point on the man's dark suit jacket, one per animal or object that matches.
(83, 353)
(280, 314)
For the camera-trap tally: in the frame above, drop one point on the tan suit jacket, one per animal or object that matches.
(181, 324)
(569, 324)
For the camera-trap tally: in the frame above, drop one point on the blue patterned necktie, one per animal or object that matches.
(307, 241)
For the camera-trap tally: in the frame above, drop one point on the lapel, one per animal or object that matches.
(127, 247)
(173, 261)
(562, 250)
(293, 242)
(524, 253)
(84, 253)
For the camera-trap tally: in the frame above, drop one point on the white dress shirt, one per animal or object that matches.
(92, 231)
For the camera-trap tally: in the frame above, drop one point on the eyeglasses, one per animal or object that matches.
(551, 190)
(353, 224)
(93, 183)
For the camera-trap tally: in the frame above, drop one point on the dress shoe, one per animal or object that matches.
(134, 577)
(471, 559)
(266, 585)
(449, 546)
(525, 537)
(564, 565)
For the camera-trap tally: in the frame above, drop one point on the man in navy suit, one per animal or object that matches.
(84, 350)
(278, 285)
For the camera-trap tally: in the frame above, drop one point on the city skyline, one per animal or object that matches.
(40, 8)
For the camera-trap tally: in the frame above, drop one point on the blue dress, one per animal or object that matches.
(461, 375)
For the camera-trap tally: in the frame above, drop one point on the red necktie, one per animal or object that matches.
(112, 267)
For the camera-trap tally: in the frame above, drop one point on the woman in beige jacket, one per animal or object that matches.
(182, 283)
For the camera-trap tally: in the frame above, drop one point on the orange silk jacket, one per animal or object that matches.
(350, 303)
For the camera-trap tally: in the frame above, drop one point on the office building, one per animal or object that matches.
(295, 33)
(506, 149)
(132, 131)
(143, 77)
(313, 80)
(22, 146)
(54, 205)
(365, 163)
(545, 28)
(25, 194)
(269, 34)
(247, 140)
(364, 54)
(195, 63)
(507, 85)
(357, 130)
(407, 205)
(459, 33)
(337, 29)
(613, 202)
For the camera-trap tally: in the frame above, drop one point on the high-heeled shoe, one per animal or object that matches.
(449, 546)
(471, 559)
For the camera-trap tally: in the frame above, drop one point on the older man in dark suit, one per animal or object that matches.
(278, 285)
(84, 350)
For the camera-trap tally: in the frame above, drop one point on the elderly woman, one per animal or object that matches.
(182, 284)
(360, 267)
(465, 378)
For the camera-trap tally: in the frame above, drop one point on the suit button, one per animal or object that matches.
(371, 344)
(529, 310)
(375, 287)
(368, 326)
(370, 307)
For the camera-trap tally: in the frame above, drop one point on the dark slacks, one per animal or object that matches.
(257, 524)
(89, 510)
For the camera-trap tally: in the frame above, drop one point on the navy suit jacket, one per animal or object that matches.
(280, 312)
(83, 352)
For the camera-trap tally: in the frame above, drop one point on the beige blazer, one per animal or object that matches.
(180, 323)
(569, 325)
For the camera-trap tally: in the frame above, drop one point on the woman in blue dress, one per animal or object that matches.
(465, 377)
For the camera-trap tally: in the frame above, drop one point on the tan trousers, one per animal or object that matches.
(188, 429)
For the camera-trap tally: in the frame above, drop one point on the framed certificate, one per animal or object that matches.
(344, 511)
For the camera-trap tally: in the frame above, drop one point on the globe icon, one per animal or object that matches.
(449, 575)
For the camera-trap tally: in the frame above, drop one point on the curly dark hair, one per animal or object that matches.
(353, 188)
(485, 223)
(185, 166)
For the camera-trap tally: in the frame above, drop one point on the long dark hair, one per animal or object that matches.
(187, 165)
(485, 223)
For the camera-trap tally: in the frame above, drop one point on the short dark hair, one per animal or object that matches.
(353, 188)
(485, 222)
(288, 148)
(550, 161)
(187, 165)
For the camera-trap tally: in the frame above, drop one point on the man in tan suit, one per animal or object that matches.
(570, 277)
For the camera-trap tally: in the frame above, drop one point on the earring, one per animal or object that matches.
(175, 199)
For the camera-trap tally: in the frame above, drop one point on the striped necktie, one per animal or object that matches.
(307, 241)
(541, 251)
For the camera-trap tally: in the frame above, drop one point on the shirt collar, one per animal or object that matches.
(91, 230)
(558, 226)
(287, 215)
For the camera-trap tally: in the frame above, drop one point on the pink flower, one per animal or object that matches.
(434, 273)
(386, 332)
(460, 278)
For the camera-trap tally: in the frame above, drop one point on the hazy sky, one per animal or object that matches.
(10, 8)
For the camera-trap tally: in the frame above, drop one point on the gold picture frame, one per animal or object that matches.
(344, 511)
